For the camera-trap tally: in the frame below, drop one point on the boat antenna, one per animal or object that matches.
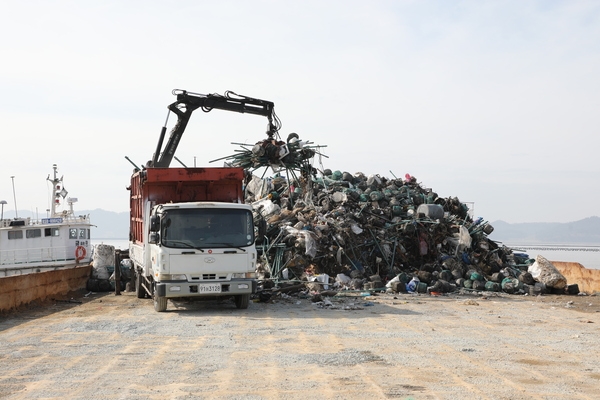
(71, 200)
(15, 197)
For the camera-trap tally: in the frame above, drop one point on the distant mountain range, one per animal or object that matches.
(113, 225)
(109, 224)
(585, 231)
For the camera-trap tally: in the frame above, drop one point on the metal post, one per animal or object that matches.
(3, 202)
(117, 272)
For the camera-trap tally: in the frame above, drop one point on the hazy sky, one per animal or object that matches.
(494, 102)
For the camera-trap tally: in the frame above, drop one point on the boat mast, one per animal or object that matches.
(57, 191)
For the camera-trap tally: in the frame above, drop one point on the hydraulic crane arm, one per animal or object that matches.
(188, 102)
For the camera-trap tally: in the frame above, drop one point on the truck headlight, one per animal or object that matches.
(249, 275)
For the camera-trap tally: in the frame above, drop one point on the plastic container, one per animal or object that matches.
(476, 276)
(422, 287)
(433, 211)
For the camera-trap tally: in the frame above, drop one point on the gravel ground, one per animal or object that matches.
(375, 347)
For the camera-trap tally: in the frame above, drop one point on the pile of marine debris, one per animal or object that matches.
(102, 277)
(323, 230)
(343, 231)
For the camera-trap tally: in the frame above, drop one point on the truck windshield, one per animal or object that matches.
(207, 228)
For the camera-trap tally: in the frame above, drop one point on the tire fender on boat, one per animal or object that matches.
(80, 253)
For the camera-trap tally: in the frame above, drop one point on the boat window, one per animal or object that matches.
(51, 232)
(15, 234)
(82, 234)
(33, 233)
(73, 233)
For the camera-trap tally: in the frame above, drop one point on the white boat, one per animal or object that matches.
(62, 240)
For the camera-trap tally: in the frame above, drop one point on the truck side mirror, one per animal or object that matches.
(154, 238)
(154, 223)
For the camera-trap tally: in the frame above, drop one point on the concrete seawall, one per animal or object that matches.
(587, 279)
(20, 290)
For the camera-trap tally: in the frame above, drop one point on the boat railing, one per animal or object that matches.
(69, 219)
(35, 255)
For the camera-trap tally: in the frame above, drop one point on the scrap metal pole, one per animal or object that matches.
(380, 249)
(394, 251)
(344, 251)
(291, 194)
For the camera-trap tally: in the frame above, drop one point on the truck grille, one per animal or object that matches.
(208, 277)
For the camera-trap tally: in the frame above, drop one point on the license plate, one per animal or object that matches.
(209, 288)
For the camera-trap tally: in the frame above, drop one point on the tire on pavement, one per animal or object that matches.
(242, 301)
(160, 303)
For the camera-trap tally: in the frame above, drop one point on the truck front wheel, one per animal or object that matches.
(160, 303)
(242, 300)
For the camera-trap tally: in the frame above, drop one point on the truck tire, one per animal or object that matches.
(242, 300)
(140, 291)
(160, 303)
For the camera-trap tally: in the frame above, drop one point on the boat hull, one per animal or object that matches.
(16, 291)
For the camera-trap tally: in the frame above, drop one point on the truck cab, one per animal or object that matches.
(202, 249)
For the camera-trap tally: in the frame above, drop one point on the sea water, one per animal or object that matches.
(588, 256)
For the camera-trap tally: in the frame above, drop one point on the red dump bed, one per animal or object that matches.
(180, 185)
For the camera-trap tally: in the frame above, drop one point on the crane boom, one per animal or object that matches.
(188, 102)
